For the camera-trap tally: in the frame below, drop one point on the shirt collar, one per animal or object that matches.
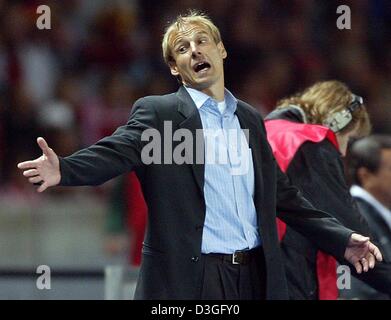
(357, 191)
(200, 98)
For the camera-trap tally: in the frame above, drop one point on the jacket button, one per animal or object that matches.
(195, 259)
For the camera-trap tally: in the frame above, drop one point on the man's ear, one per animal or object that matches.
(222, 50)
(364, 176)
(173, 69)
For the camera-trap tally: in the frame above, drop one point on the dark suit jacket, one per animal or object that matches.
(381, 235)
(171, 264)
(380, 231)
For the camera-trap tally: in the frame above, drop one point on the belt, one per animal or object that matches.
(238, 257)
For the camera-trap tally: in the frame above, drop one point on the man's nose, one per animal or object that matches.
(194, 49)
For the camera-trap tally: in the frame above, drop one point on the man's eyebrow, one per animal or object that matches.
(180, 39)
(202, 33)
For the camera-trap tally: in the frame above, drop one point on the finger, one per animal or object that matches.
(44, 146)
(375, 251)
(358, 267)
(365, 264)
(28, 164)
(35, 179)
(30, 173)
(377, 254)
(42, 187)
(371, 261)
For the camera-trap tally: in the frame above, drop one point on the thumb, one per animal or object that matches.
(42, 187)
(44, 146)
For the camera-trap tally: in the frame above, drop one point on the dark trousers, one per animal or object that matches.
(223, 280)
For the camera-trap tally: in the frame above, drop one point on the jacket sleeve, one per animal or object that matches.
(113, 155)
(317, 170)
(322, 229)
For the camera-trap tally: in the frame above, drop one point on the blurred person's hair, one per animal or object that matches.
(324, 99)
(366, 153)
(193, 17)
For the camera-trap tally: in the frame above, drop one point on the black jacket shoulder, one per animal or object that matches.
(317, 169)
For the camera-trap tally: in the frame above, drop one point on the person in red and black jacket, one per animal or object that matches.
(127, 218)
(308, 133)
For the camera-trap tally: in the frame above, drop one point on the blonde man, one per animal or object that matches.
(211, 230)
(309, 133)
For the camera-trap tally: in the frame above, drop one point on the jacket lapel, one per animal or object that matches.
(192, 121)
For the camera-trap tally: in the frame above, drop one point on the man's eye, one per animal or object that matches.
(181, 49)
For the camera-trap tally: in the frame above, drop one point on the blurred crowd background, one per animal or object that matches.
(76, 82)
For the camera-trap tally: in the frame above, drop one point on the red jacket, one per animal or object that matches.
(286, 137)
(136, 216)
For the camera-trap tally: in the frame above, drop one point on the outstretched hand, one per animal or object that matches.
(45, 170)
(362, 253)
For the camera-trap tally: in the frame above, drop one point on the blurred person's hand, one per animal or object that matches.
(43, 171)
(362, 253)
(116, 244)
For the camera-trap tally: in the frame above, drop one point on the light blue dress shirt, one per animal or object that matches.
(231, 219)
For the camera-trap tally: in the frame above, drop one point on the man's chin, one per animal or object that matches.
(201, 84)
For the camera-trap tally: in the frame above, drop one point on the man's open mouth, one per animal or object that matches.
(201, 66)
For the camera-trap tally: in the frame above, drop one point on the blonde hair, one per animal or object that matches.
(323, 99)
(193, 17)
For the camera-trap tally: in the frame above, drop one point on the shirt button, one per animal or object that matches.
(195, 259)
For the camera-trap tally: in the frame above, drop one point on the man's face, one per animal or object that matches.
(198, 60)
(381, 180)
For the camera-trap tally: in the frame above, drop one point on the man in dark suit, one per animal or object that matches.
(369, 165)
(211, 228)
